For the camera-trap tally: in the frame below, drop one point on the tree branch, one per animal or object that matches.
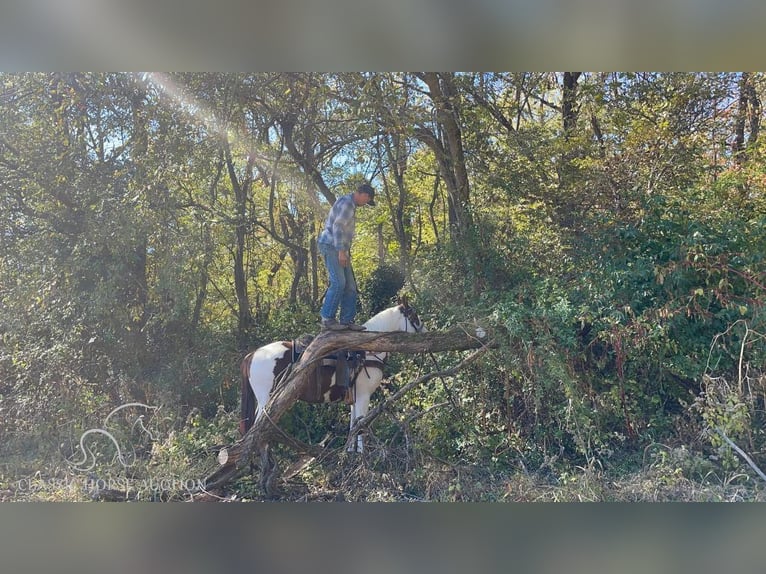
(377, 411)
(741, 453)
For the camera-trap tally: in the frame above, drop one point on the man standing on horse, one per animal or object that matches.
(335, 246)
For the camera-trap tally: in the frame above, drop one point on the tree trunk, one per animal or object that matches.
(396, 157)
(449, 149)
(748, 115)
(136, 285)
(569, 107)
(241, 190)
(568, 206)
(313, 250)
(300, 263)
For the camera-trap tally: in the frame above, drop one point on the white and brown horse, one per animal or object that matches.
(267, 364)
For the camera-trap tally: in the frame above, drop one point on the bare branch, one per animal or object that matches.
(741, 453)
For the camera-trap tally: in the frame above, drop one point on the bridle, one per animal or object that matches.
(412, 319)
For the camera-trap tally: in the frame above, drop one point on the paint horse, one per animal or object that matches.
(267, 364)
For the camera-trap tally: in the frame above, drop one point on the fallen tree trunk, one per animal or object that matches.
(233, 460)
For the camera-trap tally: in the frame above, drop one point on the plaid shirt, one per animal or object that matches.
(339, 227)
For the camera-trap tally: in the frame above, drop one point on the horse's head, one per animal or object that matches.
(412, 321)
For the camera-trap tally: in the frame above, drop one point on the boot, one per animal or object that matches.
(332, 325)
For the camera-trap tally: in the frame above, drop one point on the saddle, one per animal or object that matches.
(345, 365)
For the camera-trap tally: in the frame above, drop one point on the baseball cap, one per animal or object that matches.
(369, 190)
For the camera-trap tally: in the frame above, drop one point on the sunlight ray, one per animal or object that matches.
(188, 103)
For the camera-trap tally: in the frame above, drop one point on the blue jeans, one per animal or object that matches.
(342, 289)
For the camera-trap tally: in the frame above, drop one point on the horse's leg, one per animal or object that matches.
(353, 417)
(358, 443)
(269, 470)
(368, 380)
(261, 381)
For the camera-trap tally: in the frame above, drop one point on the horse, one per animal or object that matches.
(262, 367)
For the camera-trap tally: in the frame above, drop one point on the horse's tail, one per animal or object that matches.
(247, 397)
